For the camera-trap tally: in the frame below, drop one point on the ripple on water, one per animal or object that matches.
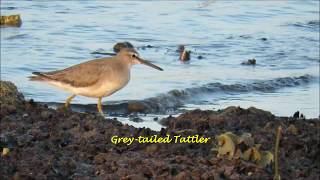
(309, 25)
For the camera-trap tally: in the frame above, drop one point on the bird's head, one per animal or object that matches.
(132, 56)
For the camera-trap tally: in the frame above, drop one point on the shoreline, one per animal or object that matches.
(178, 101)
(49, 143)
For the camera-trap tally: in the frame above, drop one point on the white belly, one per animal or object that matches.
(101, 89)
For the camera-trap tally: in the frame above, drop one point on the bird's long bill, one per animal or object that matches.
(145, 62)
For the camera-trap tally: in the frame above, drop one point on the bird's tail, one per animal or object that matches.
(38, 77)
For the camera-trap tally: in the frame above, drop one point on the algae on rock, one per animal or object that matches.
(9, 93)
(12, 20)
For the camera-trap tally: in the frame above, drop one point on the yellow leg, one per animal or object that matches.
(100, 106)
(69, 100)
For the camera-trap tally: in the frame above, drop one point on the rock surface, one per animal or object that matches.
(9, 93)
(250, 62)
(59, 144)
(12, 20)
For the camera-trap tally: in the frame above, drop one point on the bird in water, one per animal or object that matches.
(97, 78)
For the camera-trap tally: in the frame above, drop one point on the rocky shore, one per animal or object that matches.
(42, 143)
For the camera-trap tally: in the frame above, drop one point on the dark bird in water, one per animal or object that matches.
(296, 115)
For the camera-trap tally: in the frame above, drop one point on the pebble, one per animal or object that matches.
(5, 151)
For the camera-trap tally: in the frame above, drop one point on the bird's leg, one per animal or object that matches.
(100, 106)
(69, 99)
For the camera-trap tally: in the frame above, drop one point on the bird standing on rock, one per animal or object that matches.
(97, 78)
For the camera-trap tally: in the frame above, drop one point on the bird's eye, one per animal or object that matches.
(133, 55)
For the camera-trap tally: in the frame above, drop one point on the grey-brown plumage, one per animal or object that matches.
(96, 78)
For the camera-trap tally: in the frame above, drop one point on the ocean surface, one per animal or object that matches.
(283, 36)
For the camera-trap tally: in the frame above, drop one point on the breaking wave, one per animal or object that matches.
(176, 98)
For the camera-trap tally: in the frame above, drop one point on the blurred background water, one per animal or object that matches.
(283, 36)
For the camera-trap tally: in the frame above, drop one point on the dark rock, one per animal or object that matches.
(135, 119)
(185, 55)
(296, 114)
(250, 62)
(165, 121)
(7, 109)
(71, 145)
(136, 107)
(183, 176)
(200, 57)
(45, 114)
(264, 39)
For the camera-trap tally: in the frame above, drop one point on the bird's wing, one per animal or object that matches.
(81, 75)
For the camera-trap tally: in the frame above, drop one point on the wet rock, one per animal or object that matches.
(250, 62)
(205, 120)
(166, 121)
(296, 115)
(263, 39)
(133, 176)
(12, 20)
(135, 119)
(183, 176)
(117, 47)
(200, 57)
(185, 55)
(7, 109)
(136, 107)
(100, 158)
(145, 47)
(45, 114)
(71, 145)
(153, 148)
(314, 22)
(83, 170)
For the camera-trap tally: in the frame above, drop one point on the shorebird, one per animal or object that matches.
(117, 47)
(97, 78)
